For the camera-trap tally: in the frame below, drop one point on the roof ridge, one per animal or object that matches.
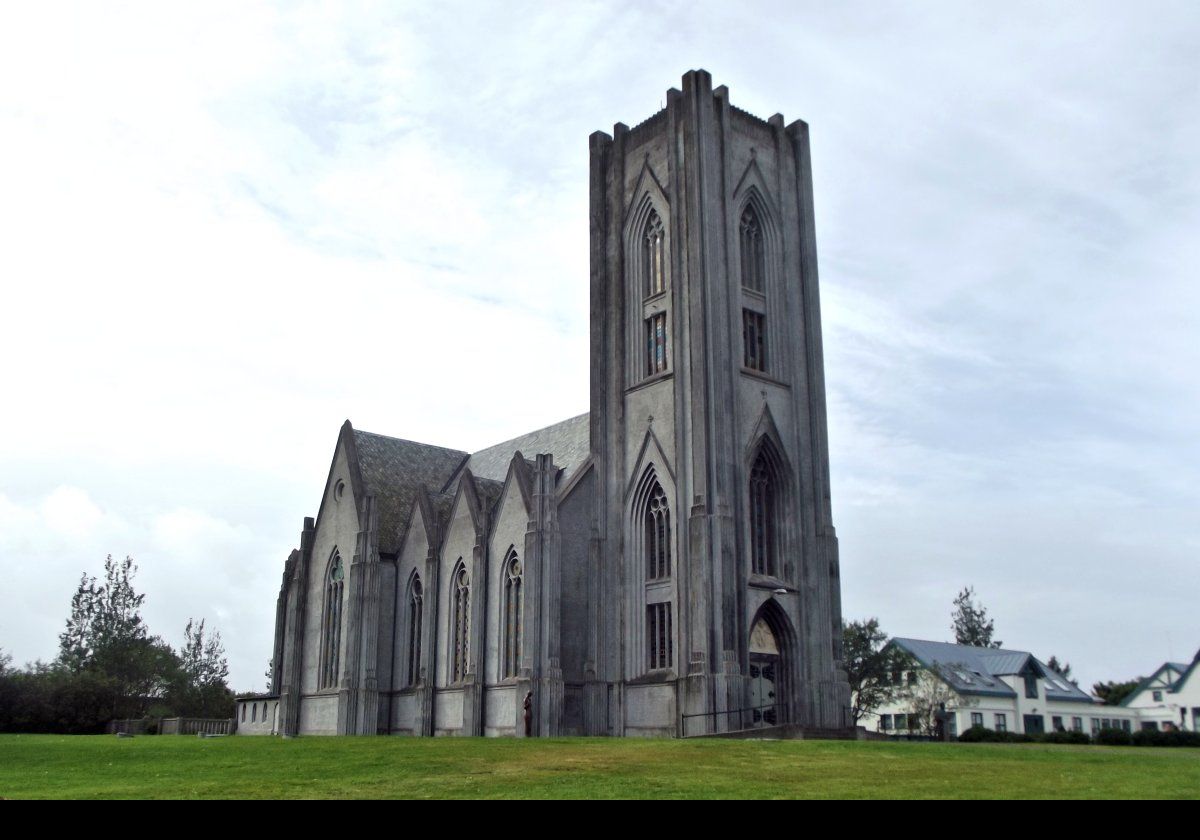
(531, 432)
(411, 442)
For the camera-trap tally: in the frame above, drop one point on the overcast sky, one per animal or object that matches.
(226, 228)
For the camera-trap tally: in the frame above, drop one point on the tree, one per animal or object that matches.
(928, 694)
(204, 669)
(869, 663)
(1112, 693)
(971, 624)
(1063, 669)
(106, 638)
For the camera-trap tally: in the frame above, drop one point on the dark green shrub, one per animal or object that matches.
(1114, 737)
(1065, 738)
(978, 735)
(1170, 738)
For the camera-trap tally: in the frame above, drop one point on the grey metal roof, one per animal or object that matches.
(569, 442)
(392, 469)
(976, 670)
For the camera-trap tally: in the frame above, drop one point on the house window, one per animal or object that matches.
(753, 251)
(658, 635)
(1056, 723)
(331, 623)
(416, 611)
(762, 517)
(461, 616)
(1031, 686)
(754, 340)
(1157, 696)
(512, 614)
(658, 535)
(1076, 724)
(977, 718)
(1095, 725)
(1001, 722)
(885, 722)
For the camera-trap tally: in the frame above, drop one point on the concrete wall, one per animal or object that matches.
(337, 529)
(257, 716)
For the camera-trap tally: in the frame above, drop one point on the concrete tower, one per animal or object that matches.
(716, 555)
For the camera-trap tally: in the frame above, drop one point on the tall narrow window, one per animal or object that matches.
(460, 640)
(654, 256)
(656, 343)
(658, 636)
(762, 517)
(512, 615)
(754, 340)
(331, 623)
(658, 535)
(416, 612)
(753, 251)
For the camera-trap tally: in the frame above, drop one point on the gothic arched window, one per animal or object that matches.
(512, 615)
(654, 272)
(763, 538)
(654, 256)
(460, 593)
(658, 535)
(331, 623)
(753, 251)
(416, 612)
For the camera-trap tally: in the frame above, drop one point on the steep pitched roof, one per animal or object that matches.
(1169, 676)
(569, 442)
(392, 469)
(976, 670)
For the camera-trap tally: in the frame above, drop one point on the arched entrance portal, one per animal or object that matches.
(773, 667)
(766, 686)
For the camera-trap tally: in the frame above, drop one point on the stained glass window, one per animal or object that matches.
(658, 535)
(331, 624)
(462, 623)
(512, 615)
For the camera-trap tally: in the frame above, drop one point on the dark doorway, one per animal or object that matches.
(765, 682)
(1035, 724)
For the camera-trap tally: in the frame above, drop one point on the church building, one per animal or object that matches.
(664, 565)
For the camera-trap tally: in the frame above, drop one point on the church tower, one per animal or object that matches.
(714, 549)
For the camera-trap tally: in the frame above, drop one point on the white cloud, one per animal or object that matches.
(229, 227)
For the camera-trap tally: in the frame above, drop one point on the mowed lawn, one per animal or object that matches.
(49, 766)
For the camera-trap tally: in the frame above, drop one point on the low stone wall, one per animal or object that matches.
(196, 726)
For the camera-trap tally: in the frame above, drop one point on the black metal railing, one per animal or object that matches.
(750, 717)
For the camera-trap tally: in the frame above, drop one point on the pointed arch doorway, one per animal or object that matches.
(766, 687)
(769, 667)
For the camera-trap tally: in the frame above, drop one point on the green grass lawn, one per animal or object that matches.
(49, 766)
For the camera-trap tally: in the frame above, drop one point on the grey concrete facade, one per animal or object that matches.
(607, 580)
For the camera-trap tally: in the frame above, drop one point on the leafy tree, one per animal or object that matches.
(105, 635)
(927, 695)
(971, 624)
(1063, 669)
(869, 664)
(204, 670)
(1112, 693)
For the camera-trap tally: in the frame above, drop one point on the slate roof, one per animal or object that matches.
(569, 442)
(977, 671)
(392, 469)
(489, 492)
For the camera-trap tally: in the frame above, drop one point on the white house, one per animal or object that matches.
(1169, 698)
(1002, 690)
